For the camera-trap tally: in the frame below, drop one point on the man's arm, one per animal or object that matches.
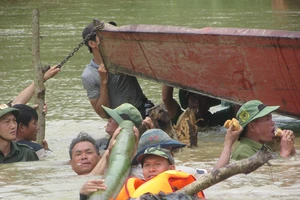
(230, 137)
(102, 164)
(171, 104)
(103, 99)
(25, 96)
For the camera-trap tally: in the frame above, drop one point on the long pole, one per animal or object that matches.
(39, 92)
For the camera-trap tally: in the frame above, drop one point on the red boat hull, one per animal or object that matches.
(235, 65)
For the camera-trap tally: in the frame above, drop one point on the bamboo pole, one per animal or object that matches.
(39, 92)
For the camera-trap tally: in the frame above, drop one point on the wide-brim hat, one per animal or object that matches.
(252, 110)
(155, 137)
(4, 109)
(183, 99)
(125, 109)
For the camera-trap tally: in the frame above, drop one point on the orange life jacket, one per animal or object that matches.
(167, 182)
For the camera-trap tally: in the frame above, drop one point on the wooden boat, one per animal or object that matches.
(231, 64)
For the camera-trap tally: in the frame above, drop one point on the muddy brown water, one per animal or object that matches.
(70, 112)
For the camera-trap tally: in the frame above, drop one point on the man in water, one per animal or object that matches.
(84, 154)
(28, 129)
(84, 151)
(259, 128)
(11, 151)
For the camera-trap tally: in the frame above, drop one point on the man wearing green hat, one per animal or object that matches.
(125, 111)
(11, 151)
(258, 129)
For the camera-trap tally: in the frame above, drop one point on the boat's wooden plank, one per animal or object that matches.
(227, 63)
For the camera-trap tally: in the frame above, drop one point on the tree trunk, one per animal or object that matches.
(39, 92)
(245, 166)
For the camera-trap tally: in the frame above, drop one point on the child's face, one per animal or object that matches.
(154, 165)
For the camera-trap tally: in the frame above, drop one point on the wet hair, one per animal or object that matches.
(81, 137)
(27, 114)
(93, 37)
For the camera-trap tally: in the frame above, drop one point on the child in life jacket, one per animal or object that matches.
(159, 175)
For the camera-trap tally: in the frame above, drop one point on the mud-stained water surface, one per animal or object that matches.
(70, 112)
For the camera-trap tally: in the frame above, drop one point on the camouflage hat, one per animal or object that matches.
(124, 109)
(155, 137)
(4, 109)
(252, 110)
(165, 153)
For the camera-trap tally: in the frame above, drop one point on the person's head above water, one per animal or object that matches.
(155, 160)
(123, 112)
(155, 137)
(84, 153)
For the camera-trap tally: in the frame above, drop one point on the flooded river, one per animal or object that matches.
(70, 112)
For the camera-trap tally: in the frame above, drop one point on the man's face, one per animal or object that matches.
(84, 157)
(111, 126)
(30, 131)
(265, 128)
(8, 127)
(154, 165)
(198, 102)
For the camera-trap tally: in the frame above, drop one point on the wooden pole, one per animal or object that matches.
(245, 166)
(39, 92)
